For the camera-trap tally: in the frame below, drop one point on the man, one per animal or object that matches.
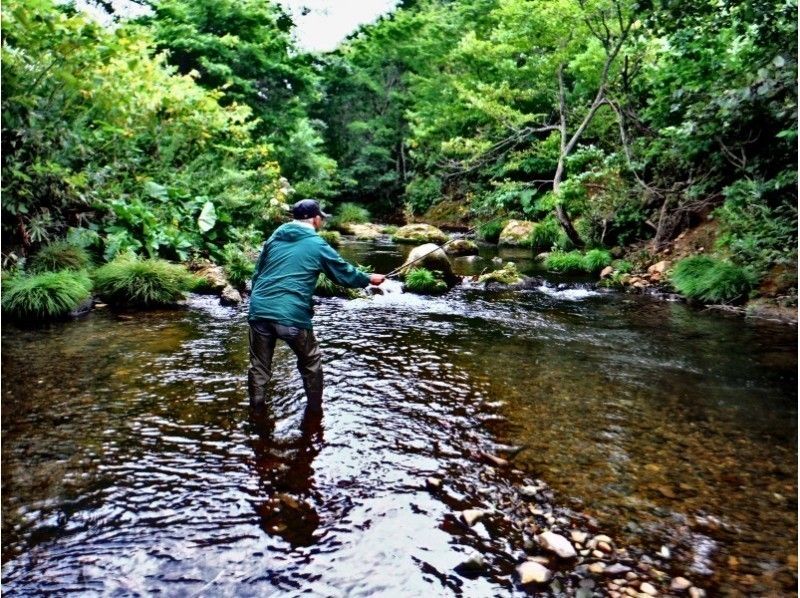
(281, 299)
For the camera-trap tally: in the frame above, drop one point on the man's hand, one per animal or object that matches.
(376, 279)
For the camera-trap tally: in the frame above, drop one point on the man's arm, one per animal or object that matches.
(343, 273)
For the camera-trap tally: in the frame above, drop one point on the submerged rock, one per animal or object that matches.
(363, 232)
(431, 257)
(460, 247)
(230, 296)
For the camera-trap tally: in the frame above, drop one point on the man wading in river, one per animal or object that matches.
(281, 300)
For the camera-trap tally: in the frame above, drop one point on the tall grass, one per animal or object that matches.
(575, 261)
(596, 259)
(349, 213)
(711, 280)
(547, 233)
(490, 231)
(141, 283)
(239, 268)
(60, 255)
(45, 296)
(424, 282)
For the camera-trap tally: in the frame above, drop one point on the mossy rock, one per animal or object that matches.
(332, 237)
(517, 233)
(363, 232)
(420, 233)
(507, 275)
(431, 257)
(461, 247)
(448, 213)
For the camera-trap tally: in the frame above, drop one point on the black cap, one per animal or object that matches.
(307, 208)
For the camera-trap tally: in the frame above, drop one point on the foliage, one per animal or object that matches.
(596, 259)
(711, 280)
(508, 274)
(45, 296)
(104, 137)
(350, 213)
(548, 234)
(238, 266)
(490, 231)
(332, 237)
(60, 255)
(424, 282)
(422, 192)
(130, 281)
(622, 266)
(758, 224)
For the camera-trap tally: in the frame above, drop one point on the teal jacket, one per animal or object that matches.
(287, 271)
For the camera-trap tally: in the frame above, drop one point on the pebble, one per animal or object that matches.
(533, 572)
(597, 568)
(617, 569)
(680, 584)
(647, 588)
(631, 592)
(472, 516)
(557, 544)
(475, 562)
(598, 554)
(604, 546)
(697, 593)
(578, 536)
(664, 553)
(433, 483)
(630, 576)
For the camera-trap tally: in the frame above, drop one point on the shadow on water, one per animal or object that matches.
(132, 466)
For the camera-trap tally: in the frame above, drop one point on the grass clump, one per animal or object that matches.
(490, 232)
(564, 261)
(711, 280)
(238, 267)
(60, 255)
(508, 274)
(141, 283)
(424, 282)
(596, 259)
(45, 296)
(548, 233)
(332, 237)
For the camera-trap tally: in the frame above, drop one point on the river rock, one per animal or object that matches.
(214, 280)
(658, 268)
(517, 232)
(597, 568)
(472, 516)
(679, 584)
(365, 232)
(616, 569)
(474, 563)
(647, 588)
(230, 296)
(557, 544)
(459, 247)
(578, 536)
(533, 572)
(432, 257)
(419, 233)
(697, 593)
(606, 272)
(433, 483)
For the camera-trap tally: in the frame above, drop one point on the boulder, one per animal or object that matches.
(557, 544)
(659, 267)
(420, 233)
(230, 296)
(433, 258)
(461, 247)
(533, 572)
(213, 276)
(606, 272)
(517, 232)
(364, 232)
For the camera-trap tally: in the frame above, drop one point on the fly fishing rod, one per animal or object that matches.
(397, 270)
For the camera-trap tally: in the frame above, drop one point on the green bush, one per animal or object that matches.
(45, 296)
(141, 282)
(60, 255)
(490, 231)
(422, 193)
(424, 282)
(238, 266)
(562, 261)
(332, 237)
(711, 280)
(549, 233)
(596, 259)
(622, 266)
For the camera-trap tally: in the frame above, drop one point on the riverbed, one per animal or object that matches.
(130, 465)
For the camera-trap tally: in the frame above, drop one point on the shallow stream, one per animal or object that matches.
(130, 466)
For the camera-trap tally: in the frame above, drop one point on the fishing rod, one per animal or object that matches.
(397, 270)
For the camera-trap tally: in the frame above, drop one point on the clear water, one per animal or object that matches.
(130, 466)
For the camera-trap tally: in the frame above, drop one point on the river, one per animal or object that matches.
(130, 466)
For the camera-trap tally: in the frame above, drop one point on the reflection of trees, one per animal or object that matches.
(283, 466)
